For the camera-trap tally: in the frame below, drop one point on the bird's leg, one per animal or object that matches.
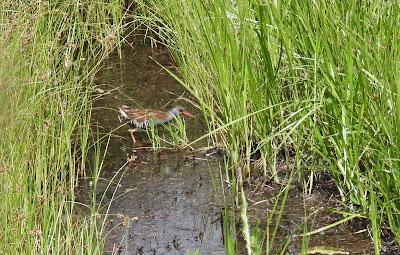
(131, 131)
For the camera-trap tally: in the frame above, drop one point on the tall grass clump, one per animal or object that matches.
(49, 52)
(318, 81)
(174, 137)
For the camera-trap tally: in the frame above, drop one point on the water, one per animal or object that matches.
(163, 205)
(165, 202)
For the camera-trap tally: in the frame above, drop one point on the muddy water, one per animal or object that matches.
(164, 202)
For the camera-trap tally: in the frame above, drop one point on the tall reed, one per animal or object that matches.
(49, 52)
(315, 80)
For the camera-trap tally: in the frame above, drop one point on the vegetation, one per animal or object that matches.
(175, 136)
(316, 79)
(314, 82)
(49, 51)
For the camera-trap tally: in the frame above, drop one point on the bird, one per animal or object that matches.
(141, 119)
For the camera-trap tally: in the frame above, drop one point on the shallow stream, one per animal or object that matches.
(165, 201)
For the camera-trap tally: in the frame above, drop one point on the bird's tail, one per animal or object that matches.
(123, 117)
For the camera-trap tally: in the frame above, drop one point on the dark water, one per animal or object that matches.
(165, 202)
(163, 205)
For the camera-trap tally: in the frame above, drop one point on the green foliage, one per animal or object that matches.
(173, 137)
(322, 76)
(197, 252)
(50, 51)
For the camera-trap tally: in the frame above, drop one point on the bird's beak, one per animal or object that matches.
(187, 114)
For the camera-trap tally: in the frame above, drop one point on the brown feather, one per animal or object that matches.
(141, 115)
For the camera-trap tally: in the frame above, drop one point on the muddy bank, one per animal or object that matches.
(308, 212)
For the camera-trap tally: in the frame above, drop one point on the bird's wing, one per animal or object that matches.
(141, 115)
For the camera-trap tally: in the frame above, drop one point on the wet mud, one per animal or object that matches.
(309, 212)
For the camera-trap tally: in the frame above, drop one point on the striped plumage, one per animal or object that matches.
(143, 118)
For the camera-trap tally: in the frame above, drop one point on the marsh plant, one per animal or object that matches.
(316, 81)
(171, 135)
(313, 82)
(49, 53)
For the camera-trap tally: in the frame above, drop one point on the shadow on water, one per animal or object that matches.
(164, 202)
